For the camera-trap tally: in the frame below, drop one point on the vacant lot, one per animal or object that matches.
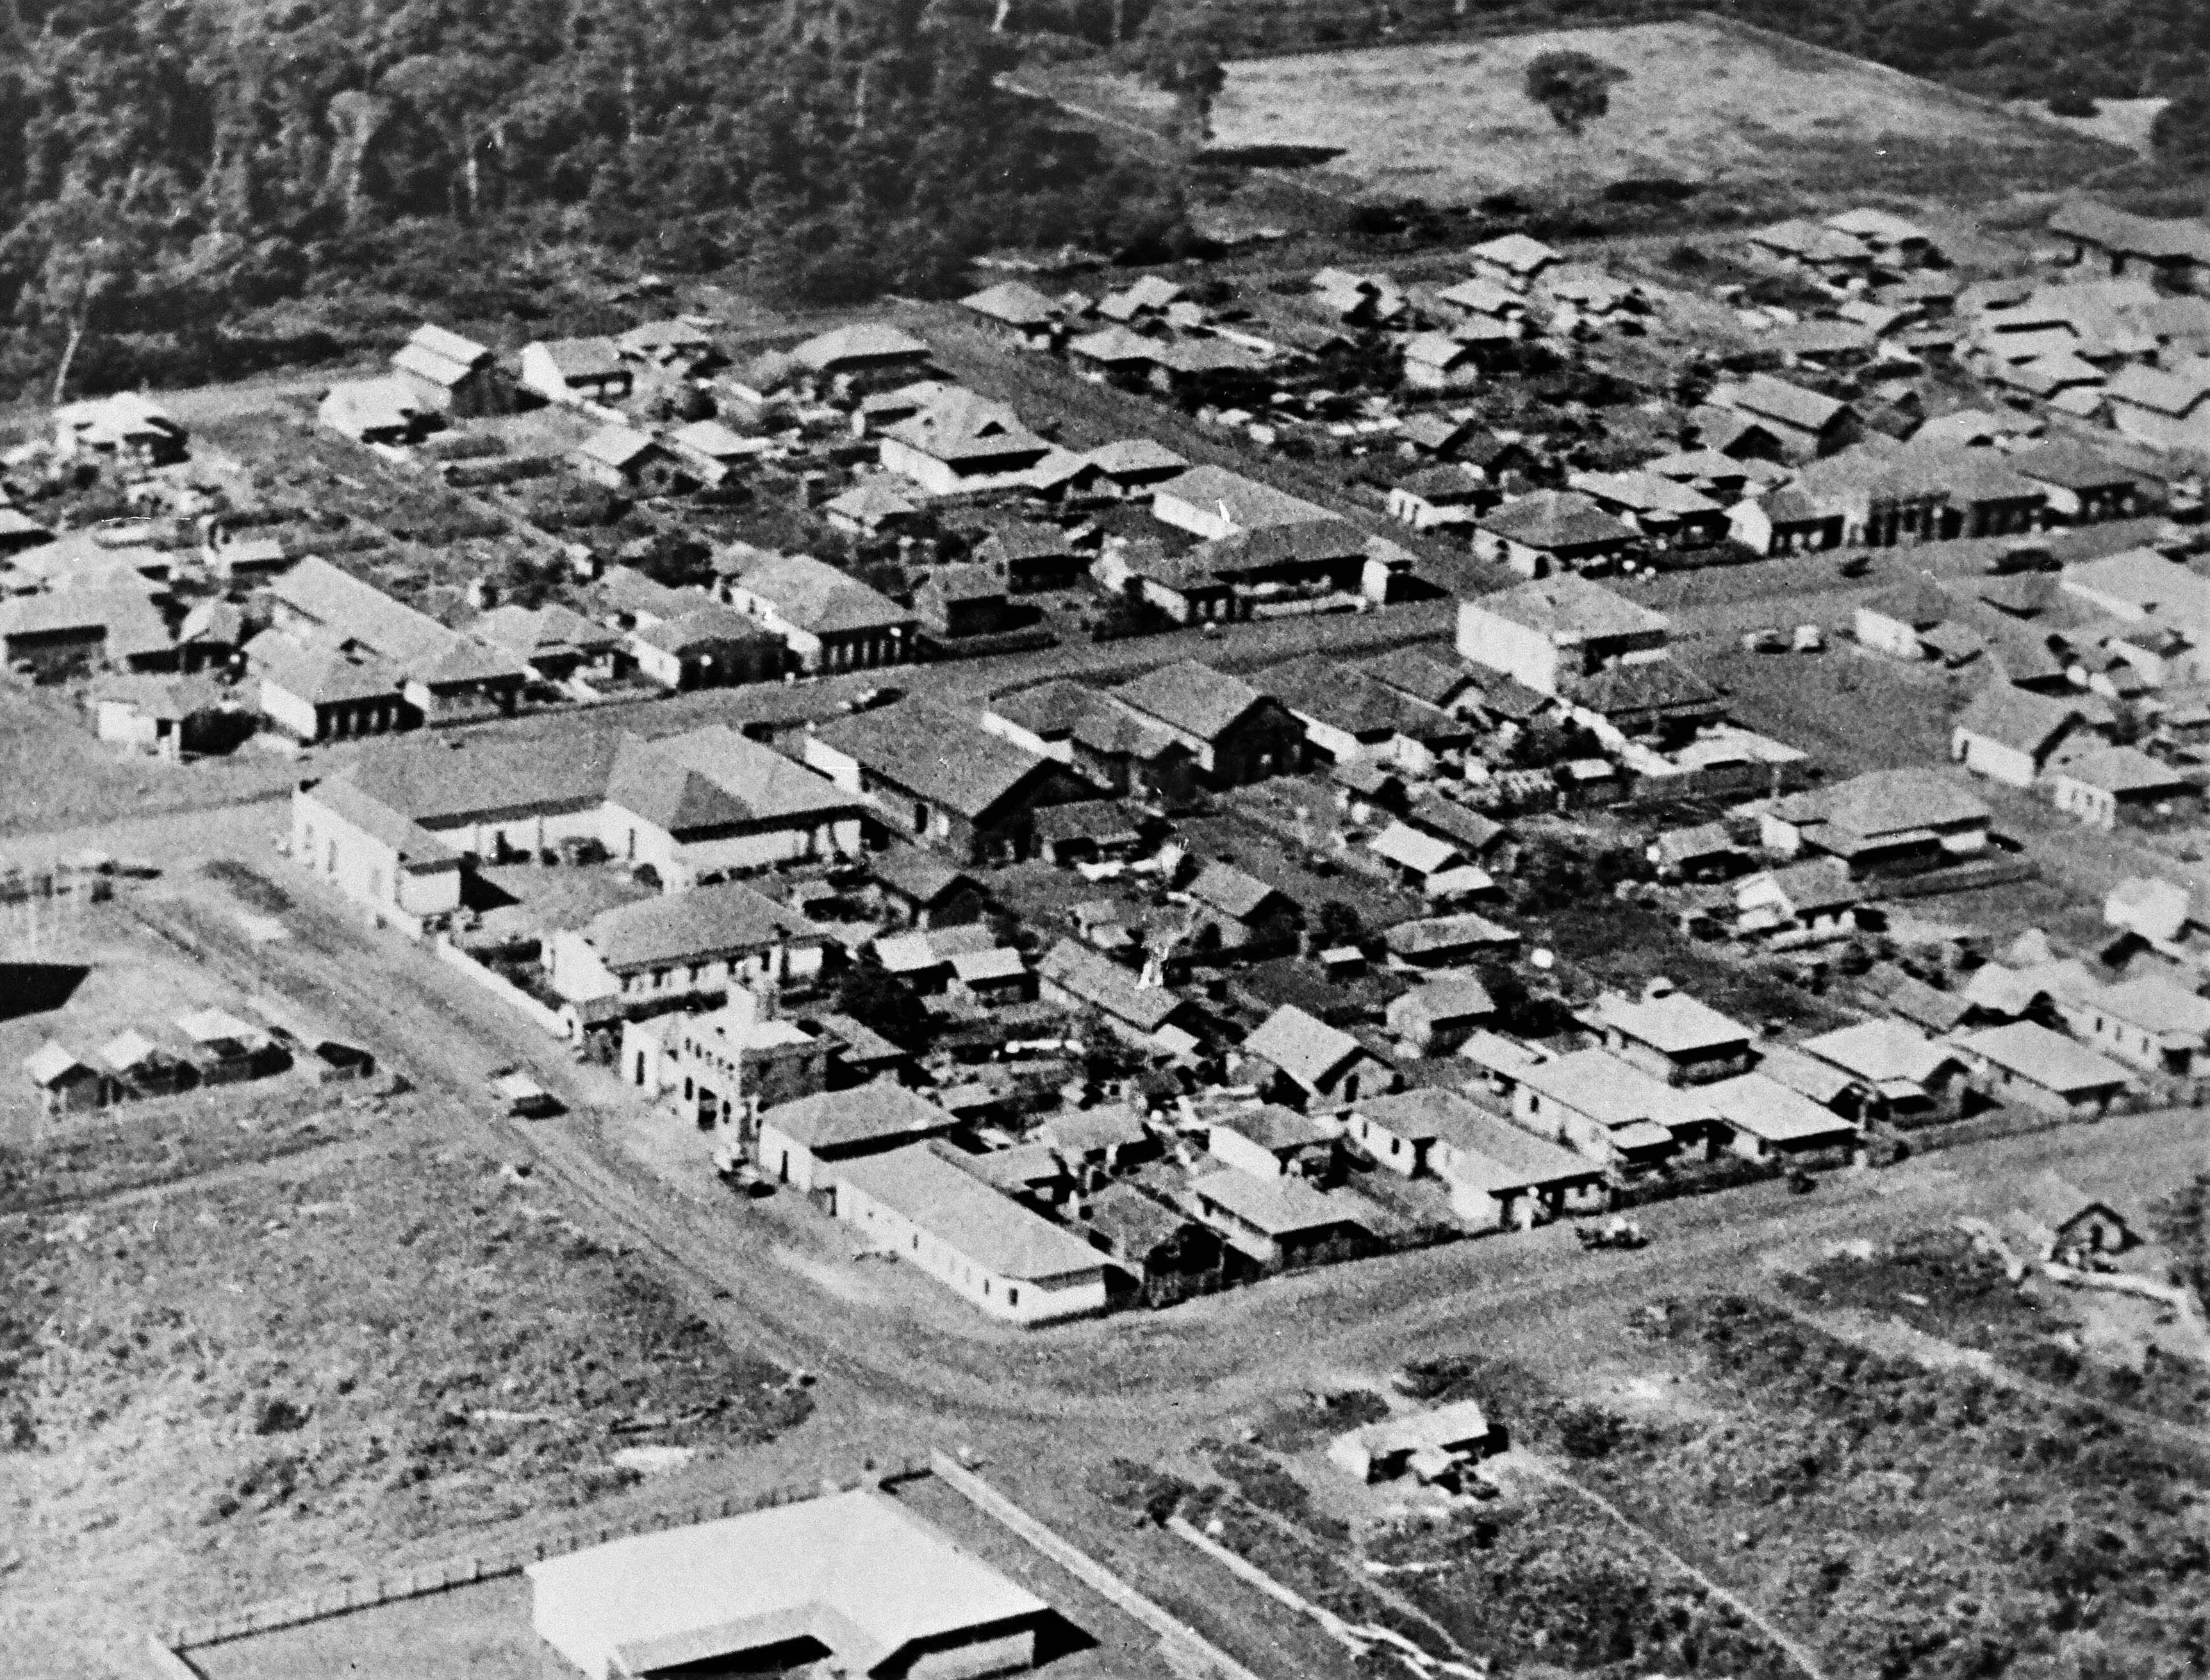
(262, 1386)
(55, 773)
(1700, 101)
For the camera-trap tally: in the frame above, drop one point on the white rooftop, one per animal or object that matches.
(856, 1571)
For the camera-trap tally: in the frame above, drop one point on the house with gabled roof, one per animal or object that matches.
(1666, 514)
(1346, 716)
(1673, 1035)
(1212, 502)
(2168, 407)
(929, 1206)
(1501, 1177)
(622, 457)
(387, 411)
(553, 640)
(452, 375)
(2026, 1063)
(1237, 734)
(1517, 260)
(1302, 1061)
(1895, 1067)
(804, 1143)
(2010, 735)
(576, 370)
(938, 777)
(1281, 1224)
(1806, 424)
(2103, 786)
(829, 621)
(1552, 531)
(1014, 306)
(1612, 1111)
(1137, 463)
(2082, 485)
(1152, 1016)
(1762, 1118)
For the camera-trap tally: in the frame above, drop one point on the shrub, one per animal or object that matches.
(1590, 1432)
(1574, 87)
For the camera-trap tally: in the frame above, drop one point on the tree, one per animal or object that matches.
(1337, 923)
(2181, 132)
(92, 254)
(1574, 87)
(875, 998)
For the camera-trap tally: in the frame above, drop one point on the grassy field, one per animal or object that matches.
(263, 1384)
(1702, 101)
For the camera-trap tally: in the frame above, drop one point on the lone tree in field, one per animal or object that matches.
(1574, 87)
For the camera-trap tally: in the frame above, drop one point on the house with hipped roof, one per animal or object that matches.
(1883, 818)
(1550, 532)
(1551, 634)
(642, 957)
(938, 777)
(828, 620)
(1236, 733)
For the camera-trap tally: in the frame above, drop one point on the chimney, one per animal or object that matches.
(1658, 986)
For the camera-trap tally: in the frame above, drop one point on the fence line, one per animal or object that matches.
(447, 1574)
(1185, 1648)
(500, 987)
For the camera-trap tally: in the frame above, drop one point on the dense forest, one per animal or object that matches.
(172, 170)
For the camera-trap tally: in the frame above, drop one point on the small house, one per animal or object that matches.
(2027, 1064)
(576, 370)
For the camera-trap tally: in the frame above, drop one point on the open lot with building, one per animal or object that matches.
(1700, 101)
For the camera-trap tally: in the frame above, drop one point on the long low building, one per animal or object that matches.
(855, 1581)
(916, 1203)
(706, 803)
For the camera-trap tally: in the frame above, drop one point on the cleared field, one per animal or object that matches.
(262, 1385)
(1701, 100)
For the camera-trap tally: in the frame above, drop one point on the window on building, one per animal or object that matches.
(1013, 1297)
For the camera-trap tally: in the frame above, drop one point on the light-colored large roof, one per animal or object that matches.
(1508, 1157)
(996, 1233)
(1248, 504)
(1881, 1051)
(1771, 1112)
(869, 341)
(2047, 1059)
(1570, 609)
(857, 1571)
(1674, 1023)
(1613, 1092)
(1279, 1206)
